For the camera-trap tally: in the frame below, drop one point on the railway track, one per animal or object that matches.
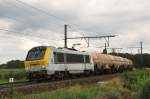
(15, 84)
(27, 87)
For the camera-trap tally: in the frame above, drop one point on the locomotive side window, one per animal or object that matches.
(74, 58)
(87, 58)
(58, 58)
(55, 57)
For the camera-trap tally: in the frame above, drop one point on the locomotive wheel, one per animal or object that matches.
(59, 75)
(32, 77)
(87, 73)
(66, 75)
(29, 76)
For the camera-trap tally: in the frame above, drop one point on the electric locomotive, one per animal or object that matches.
(51, 62)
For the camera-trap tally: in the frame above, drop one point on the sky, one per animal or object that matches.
(28, 23)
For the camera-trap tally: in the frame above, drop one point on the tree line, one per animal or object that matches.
(138, 60)
(13, 64)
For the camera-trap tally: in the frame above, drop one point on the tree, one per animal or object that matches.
(13, 64)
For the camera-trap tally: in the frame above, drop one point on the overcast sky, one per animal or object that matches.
(28, 26)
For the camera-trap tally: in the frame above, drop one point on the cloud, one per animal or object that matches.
(129, 19)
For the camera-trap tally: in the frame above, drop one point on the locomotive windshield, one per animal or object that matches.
(36, 53)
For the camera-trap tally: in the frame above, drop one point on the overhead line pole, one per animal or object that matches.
(65, 36)
(141, 46)
(84, 37)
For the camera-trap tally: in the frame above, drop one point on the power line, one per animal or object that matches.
(40, 10)
(14, 4)
(23, 34)
(106, 37)
(45, 12)
(91, 37)
(12, 18)
(10, 31)
(49, 14)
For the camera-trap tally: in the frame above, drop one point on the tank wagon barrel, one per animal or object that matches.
(110, 63)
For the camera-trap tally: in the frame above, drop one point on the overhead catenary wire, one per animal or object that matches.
(34, 39)
(34, 8)
(22, 34)
(50, 14)
(54, 24)
(18, 20)
(40, 10)
(44, 12)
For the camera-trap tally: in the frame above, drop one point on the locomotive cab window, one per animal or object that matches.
(36, 53)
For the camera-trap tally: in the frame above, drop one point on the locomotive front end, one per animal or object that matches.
(37, 61)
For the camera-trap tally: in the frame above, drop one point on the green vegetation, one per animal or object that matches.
(134, 80)
(111, 88)
(136, 58)
(144, 92)
(138, 82)
(13, 64)
(17, 74)
(131, 85)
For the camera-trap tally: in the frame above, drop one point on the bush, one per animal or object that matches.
(144, 92)
(15, 75)
(134, 80)
(20, 75)
(0, 76)
(8, 75)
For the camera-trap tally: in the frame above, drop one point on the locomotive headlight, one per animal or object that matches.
(27, 68)
(43, 66)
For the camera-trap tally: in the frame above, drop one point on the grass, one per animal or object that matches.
(131, 85)
(17, 74)
(134, 80)
(144, 92)
(138, 82)
(113, 87)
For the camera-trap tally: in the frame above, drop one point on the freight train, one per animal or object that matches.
(47, 62)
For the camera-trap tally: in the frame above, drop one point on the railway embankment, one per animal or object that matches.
(128, 85)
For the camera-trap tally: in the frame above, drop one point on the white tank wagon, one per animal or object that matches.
(110, 63)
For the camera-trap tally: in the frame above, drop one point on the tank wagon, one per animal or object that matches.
(59, 63)
(109, 63)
